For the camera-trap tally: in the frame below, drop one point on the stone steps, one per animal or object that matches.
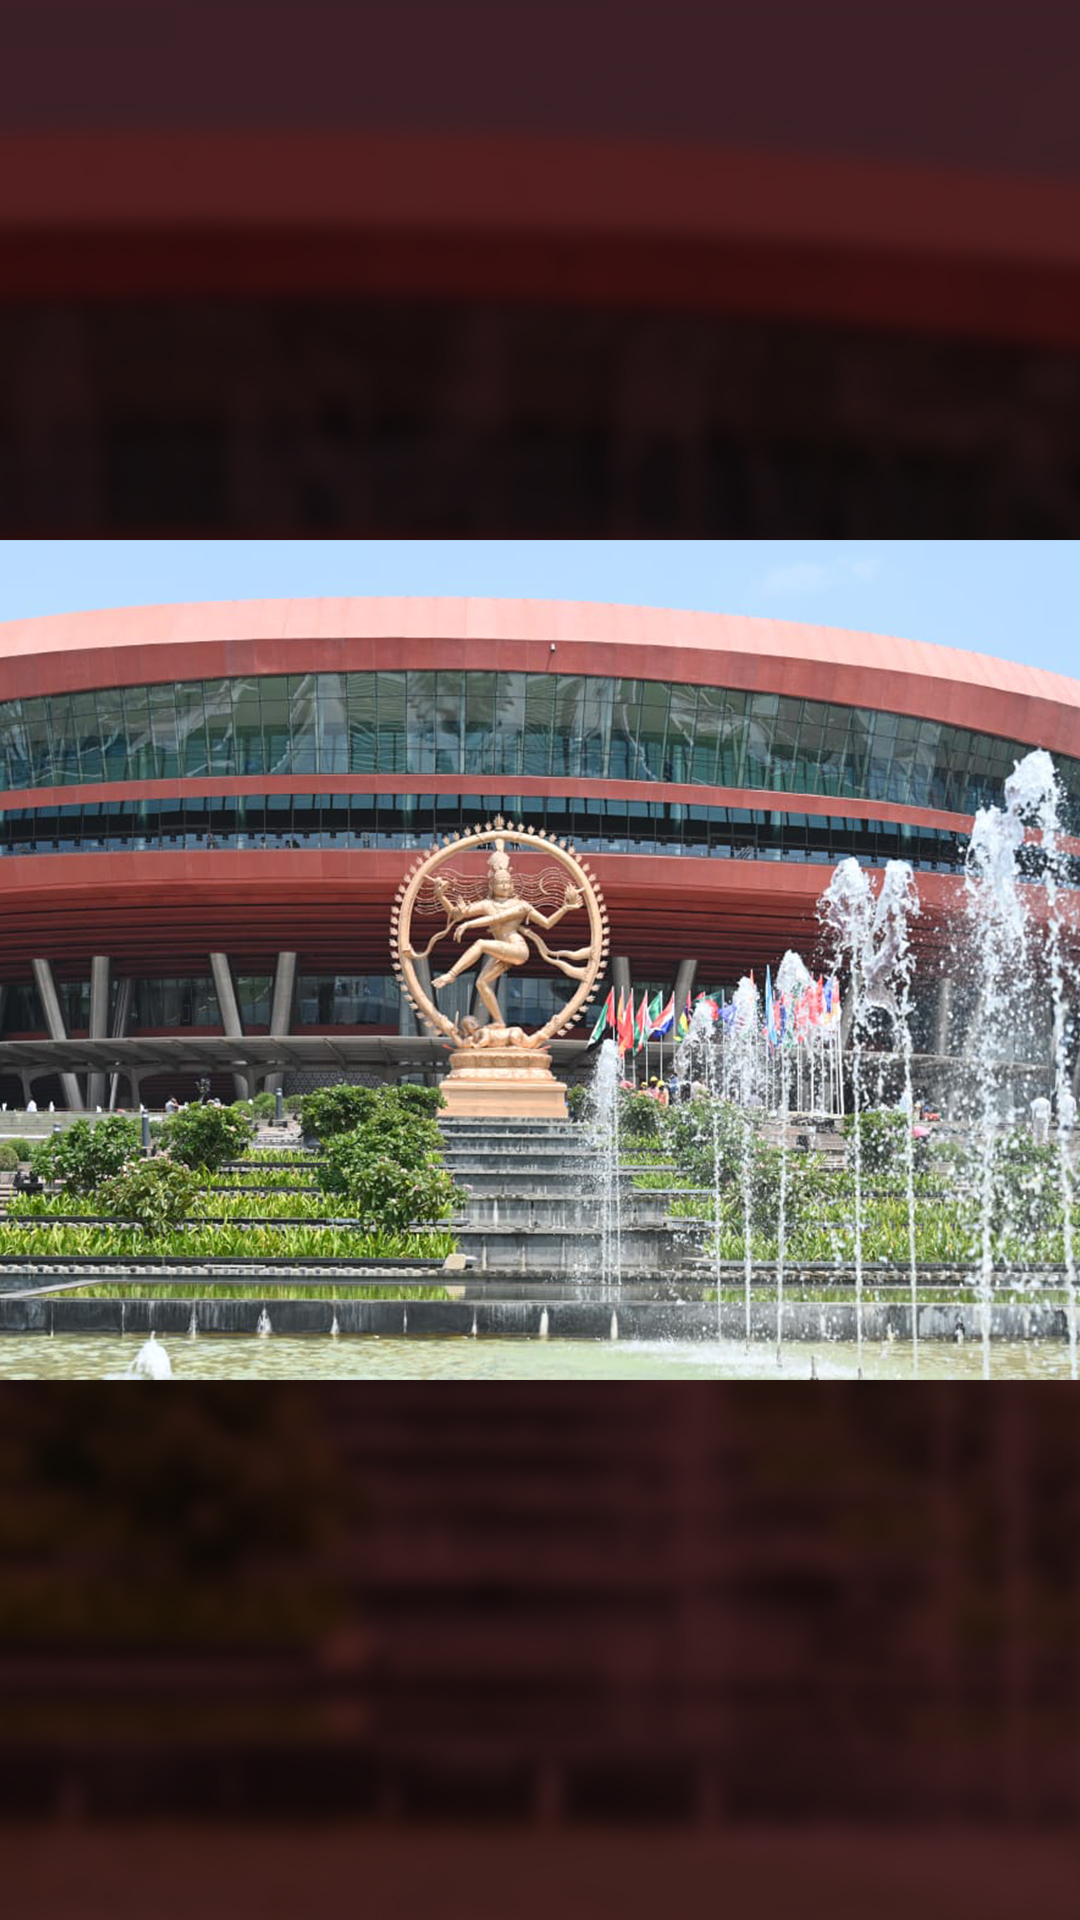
(542, 1212)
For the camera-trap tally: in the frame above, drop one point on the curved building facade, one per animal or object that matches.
(205, 809)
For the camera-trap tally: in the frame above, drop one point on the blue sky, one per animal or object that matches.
(1018, 600)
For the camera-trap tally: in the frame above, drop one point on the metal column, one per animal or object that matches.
(281, 1005)
(620, 974)
(943, 1015)
(229, 1009)
(99, 1023)
(54, 1021)
(684, 981)
(125, 993)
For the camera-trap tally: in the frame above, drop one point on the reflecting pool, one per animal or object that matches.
(77, 1356)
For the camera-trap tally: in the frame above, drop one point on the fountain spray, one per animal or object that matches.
(1033, 790)
(792, 979)
(887, 984)
(745, 1026)
(603, 1114)
(998, 931)
(699, 1046)
(847, 908)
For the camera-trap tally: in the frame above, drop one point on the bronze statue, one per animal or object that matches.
(501, 912)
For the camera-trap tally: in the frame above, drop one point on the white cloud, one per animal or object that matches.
(812, 576)
(803, 576)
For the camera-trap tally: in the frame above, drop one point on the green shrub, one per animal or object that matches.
(207, 1136)
(263, 1105)
(159, 1193)
(696, 1129)
(575, 1100)
(1026, 1186)
(22, 1149)
(639, 1116)
(425, 1100)
(88, 1152)
(331, 1110)
(9, 1159)
(390, 1166)
(883, 1140)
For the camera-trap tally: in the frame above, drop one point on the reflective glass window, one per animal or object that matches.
(539, 714)
(449, 721)
(480, 698)
(332, 715)
(274, 691)
(623, 760)
(247, 727)
(652, 729)
(569, 726)
(509, 742)
(291, 741)
(191, 728)
(390, 694)
(362, 722)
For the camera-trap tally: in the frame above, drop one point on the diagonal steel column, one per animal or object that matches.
(229, 1008)
(281, 1006)
(54, 1022)
(684, 985)
(125, 994)
(99, 1023)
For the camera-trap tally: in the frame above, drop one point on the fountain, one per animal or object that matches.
(745, 1028)
(151, 1362)
(603, 1136)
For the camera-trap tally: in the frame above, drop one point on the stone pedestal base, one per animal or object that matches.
(503, 1082)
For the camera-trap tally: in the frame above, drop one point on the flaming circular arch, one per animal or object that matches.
(412, 899)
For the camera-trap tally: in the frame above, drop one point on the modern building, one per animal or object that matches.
(206, 810)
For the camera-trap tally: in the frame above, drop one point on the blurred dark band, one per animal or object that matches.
(460, 334)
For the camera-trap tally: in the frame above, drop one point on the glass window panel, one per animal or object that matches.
(652, 728)
(392, 731)
(708, 723)
(567, 736)
(422, 692)
(480, 741)
(13, 750)
(112, 733)
(509, 744)
(220, 728)
(597, 697)
(360, 690)
(785, 744)
(191, 728)
(65, 740)
(332, 716)
(138, 735)
(626, 701)
(539, 716)
(273, 691)
(681, 728)
(84, 715)
(163, 729)
(449, 720)
(290, 738)
(247, 727)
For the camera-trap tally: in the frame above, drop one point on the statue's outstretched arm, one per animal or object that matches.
(571, 899)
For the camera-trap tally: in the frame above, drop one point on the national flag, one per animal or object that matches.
(606, 1019)
(666, 1021)
(642, 1023)
(684, 1018)
(626, 1027)
(706, 1000)
(654, 1013)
